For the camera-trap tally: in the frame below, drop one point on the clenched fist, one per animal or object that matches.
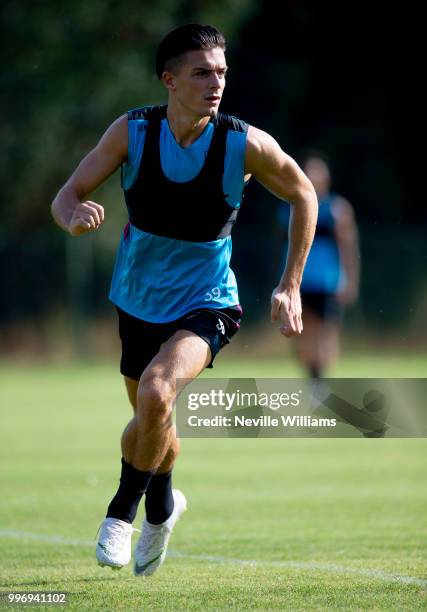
(87, 217)
(286, 307)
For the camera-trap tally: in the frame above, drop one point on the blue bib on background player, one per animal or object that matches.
(175, 253)
(323, 272)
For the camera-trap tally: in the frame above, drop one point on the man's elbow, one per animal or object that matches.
(305, 197)
(309, 193)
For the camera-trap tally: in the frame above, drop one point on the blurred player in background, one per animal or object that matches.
(184, 170)
(331, 275)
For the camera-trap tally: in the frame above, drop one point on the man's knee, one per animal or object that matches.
(155, 398)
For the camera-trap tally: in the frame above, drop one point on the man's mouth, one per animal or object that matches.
(213, 98)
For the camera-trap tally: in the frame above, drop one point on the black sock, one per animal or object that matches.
(133, 484)
(159, 499)
(315, 372)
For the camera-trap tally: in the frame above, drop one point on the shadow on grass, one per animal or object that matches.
(61, 581)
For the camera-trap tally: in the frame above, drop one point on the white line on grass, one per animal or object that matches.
(304, 565)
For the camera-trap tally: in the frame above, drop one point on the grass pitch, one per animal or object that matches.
(292, 524)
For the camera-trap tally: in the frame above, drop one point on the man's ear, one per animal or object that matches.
(169, 80)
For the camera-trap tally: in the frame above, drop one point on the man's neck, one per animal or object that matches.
(185, 125)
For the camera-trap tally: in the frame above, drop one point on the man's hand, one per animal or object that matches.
(87, 217)
(286, 306)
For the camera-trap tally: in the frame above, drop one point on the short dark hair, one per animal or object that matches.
(308, 154)
(189, 37)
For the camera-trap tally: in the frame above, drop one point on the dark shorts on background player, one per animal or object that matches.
(141, 340)
(325, 305)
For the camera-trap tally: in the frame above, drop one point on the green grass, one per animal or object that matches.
(331, 524)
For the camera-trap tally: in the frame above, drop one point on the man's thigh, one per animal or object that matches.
(183, 356)
(141, 341)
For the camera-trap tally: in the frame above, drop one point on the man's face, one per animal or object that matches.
(198, 82)
(318, 173)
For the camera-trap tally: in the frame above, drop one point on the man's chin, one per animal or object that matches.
(210, 112)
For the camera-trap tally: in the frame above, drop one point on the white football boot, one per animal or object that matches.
(114, 544)
(150, 551)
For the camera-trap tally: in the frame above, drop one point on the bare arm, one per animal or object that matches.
(281, 175)
(70, 208)
(348, 248)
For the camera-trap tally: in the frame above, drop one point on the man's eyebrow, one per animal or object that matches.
(210, 67)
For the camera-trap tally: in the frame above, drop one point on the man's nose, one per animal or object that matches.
(215, 81)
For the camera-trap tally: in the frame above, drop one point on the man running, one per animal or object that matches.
(331, 276)
(184, 169)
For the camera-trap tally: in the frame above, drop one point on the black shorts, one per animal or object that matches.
(141, 340)
(324, 305)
